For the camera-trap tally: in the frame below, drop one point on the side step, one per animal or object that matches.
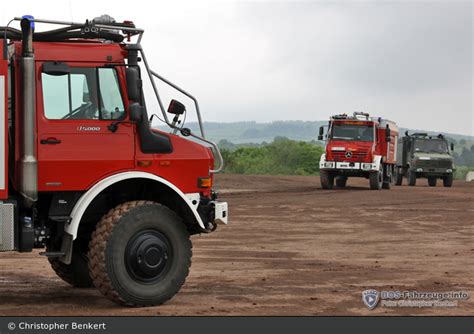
(52, 254)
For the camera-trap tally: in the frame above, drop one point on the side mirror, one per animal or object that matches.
(134, 84)
(388, 134)
(136, 112)
(321, 132)
(176, 108)
(452, 146)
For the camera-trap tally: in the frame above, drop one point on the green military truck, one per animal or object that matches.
(423, 156)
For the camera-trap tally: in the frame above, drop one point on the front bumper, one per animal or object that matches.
(427, 171)
(220, 212)
(348, 166)
(356, 166)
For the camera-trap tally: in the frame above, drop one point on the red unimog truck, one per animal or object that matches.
(358, 146)
(83, 174)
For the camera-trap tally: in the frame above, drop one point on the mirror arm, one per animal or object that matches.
(174, 123)
(182, 91)
(151, 75)
(153, 116)
(113, 127)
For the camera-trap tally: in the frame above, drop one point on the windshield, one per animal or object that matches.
(431, 146)
(359, 132)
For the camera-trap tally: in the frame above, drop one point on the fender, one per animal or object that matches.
(377, 160)
(322, 159)
(89, 196)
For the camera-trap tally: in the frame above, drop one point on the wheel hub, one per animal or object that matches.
(148, 255)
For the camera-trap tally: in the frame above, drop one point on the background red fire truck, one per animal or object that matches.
(358, 146)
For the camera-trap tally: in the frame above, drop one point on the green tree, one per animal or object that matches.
(283, 156)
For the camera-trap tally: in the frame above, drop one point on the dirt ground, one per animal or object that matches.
(293, 249)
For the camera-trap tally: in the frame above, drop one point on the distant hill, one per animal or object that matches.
(253, 132)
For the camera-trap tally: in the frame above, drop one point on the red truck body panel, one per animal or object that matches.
(387, 149)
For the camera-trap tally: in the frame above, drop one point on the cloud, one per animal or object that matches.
(264, 61)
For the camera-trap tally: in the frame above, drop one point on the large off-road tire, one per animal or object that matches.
(432, 181)
(411, 178)
(448, 180)
(140, 254)
(376, 179)
(388, 179)
(398, 176)
(327, 179)
(77, 272)
(341, 181)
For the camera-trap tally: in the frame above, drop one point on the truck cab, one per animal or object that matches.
(358, 146)
(424, 156)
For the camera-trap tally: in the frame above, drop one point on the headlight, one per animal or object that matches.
(419, 169)
(329, 164)
(366, 166)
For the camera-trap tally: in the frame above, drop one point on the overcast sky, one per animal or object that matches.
(408, 61)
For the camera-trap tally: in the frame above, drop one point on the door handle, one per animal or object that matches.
(50, 141)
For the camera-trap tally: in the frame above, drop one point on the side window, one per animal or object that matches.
(55, 96)
(111, 99)
(85, 93)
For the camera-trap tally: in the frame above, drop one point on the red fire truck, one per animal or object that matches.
(84, 175)
(358, 146)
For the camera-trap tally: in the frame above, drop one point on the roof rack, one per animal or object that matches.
(103, 28)
(419, 134)
(340, 116)
(357, 115)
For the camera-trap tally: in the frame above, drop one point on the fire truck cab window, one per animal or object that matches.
(361, 132)
(85, 93)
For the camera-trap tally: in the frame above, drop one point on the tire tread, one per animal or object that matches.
(97, 253)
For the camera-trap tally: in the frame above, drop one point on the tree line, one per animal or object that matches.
(284, 156)
(280, 157)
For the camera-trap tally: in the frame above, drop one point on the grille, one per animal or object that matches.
(356, 156)
(7, 233)
(434, 163)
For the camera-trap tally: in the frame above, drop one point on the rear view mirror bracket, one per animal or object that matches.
(56, 68)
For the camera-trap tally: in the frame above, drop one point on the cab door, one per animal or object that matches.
(76, 104)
